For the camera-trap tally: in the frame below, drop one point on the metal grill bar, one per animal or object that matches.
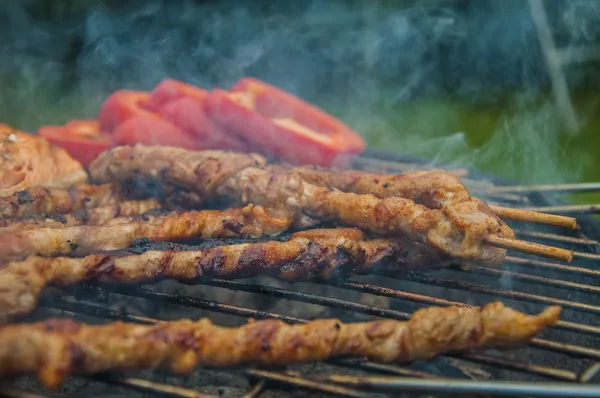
(420, 298)
(553, 266)
(559, 374)
(589, 256)
(449, 283)
(580, 287)
(211, 305)
(560, 238)
(494, 388)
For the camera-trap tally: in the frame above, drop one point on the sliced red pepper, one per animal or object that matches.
(151, 129)
(169, 90)
(188, 114)
(122, 105)
(82, 139)
(183, 105)
(282, 124)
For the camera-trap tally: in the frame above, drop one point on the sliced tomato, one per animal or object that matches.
(151, 129)
(169, 90)
(82, 139)
(122, 105)
(281, 123)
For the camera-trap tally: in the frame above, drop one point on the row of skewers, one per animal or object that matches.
(387, 224)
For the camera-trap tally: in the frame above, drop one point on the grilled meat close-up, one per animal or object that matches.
(298, 199)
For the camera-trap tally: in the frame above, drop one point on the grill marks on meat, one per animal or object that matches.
(458, 230)
(308, 255)
(56, 349)
(119, 213)
(250, 221)
(37, 200)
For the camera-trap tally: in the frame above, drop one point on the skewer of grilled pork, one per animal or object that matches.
(37, 200)
(250, 221)
(319, 254)
(433, 188)
(98, 216)
(459, 230)
(56, 349)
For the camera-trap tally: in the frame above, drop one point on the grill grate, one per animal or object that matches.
(559, 364)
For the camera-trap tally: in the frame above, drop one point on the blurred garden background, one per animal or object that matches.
(459, 81)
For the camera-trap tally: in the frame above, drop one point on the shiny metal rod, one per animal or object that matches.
(454, 387)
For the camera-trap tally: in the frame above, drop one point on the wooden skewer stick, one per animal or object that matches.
(532, 216)
(531, 248)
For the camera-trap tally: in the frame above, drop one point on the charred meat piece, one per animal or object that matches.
(458, 230)
(27, 160)
(36, 201)
(120, 213)
(56, 349)
(250, 221)
(318, 254)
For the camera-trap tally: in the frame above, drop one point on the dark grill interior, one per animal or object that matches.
(565, 354)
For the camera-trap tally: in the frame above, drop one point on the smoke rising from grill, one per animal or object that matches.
(361, 61)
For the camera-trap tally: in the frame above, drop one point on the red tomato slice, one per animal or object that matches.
(82, 139)
(120, 106)
(169, 90)
(188, 114)
(151, 129)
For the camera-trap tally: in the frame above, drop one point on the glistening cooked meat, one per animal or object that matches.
(458, 230)
(435, 189)
(250, 221)
(28, 160)
(56, 349)
(308, 255)
(110, 214)
(432, 188)
(37, 200)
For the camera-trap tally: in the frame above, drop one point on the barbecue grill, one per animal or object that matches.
(564, 362)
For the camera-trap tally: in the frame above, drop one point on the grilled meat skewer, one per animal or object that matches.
(432, 188)
(103, 215)
(319, 254)
(458, 230)
(250, 221)
(56, 349)
(36, 200)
